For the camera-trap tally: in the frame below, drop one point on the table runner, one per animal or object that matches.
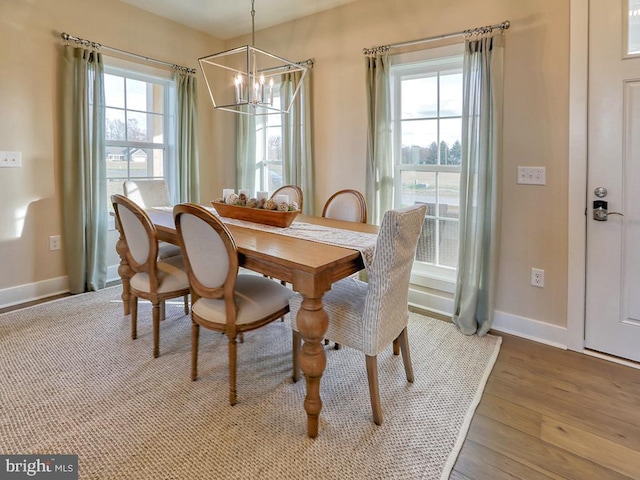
(365, 243)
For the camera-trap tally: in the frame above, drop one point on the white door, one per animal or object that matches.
(613, 244)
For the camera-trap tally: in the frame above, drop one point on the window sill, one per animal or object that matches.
(434, 278)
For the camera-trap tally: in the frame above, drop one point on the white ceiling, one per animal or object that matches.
(226, 19)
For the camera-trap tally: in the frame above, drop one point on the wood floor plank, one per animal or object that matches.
(565, 358)
(538, 455)
(622, 387)
(613, 407)
(568, 409)
(481, 463)
(511, 414)
(600, 450)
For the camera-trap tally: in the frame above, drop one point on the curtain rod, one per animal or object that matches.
(474, 31)
(66, 37)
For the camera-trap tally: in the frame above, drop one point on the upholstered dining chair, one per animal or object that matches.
(348, 205)
(149, 194)
(293, 191)
(370, 316)
(222, 300)
(153, 279)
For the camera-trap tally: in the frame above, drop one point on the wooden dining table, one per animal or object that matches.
(309, 266)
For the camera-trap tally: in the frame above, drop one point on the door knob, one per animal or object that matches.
(600, 212)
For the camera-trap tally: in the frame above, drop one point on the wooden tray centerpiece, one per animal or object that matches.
(262, 212)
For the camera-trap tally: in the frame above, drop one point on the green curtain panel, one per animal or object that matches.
(83, 171)
(379, 179)
(297, 159)
(480, 184)
(187, 157)
(246, 152)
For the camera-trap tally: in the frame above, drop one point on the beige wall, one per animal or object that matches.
(534, 220)
(536, 116)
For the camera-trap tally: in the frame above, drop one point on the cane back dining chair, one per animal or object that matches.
(153, 279)
(370, 316)
(148, 194)
(222, 300)
(348, 205)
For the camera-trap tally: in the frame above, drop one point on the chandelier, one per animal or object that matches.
(247, 80)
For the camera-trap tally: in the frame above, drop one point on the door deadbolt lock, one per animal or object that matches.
(601, 212)
(600, 192)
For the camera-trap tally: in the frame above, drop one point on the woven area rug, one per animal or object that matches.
(73, 382)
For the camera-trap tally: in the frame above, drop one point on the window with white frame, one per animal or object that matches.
(139, 126)
(427, 124)
(269, 149)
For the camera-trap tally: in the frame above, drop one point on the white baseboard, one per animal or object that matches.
(530, 329)
(503, 322)
(47, 288)
(33, 291)
(430, 302)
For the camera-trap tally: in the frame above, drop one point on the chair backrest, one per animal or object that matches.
(348, 205)
(386, 310)
(209, 251)
(148, 193)
(140, 235)
(293, 191)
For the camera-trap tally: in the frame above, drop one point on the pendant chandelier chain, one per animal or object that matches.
(253, 23)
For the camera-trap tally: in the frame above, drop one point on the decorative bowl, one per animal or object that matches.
(274, 218)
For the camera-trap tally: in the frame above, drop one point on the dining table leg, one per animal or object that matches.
(312, 321)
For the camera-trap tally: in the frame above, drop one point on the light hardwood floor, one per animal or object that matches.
(550, 413)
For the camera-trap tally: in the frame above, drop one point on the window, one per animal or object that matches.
(632, 28)
(427, 125)
(269, 149)
(139, 127)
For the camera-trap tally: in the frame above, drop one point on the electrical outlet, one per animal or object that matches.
(537, 277)
(11, 159)
(54, 243)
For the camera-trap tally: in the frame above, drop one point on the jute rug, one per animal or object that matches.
(73, 382)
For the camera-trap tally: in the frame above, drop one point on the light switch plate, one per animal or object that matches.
(532, 175)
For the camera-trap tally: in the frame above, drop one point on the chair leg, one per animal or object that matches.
(186, 304)
(163, 310)
(297, 344)
(403, 340)
(336, 346)
(233, 353)
(157, 314)
(133, 306)
(396, 347)
(284, 284)
(374, 391)
(195, 336)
